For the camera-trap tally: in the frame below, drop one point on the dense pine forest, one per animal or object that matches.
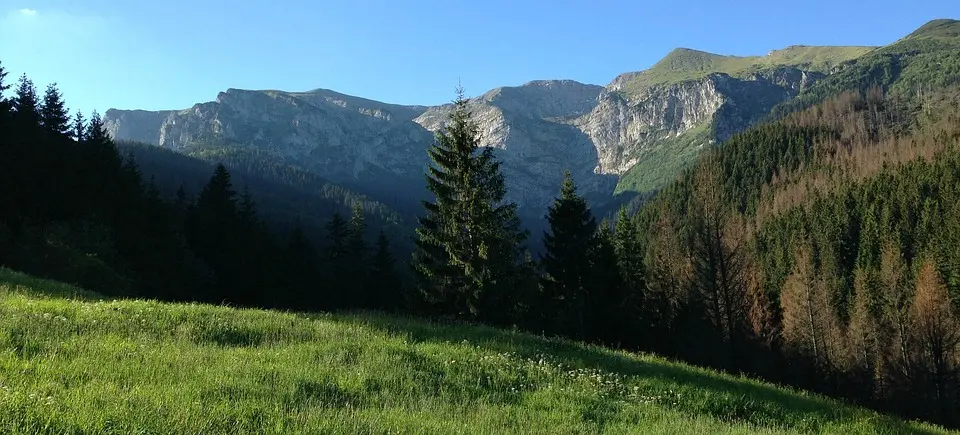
(73, 208)
(818, 250)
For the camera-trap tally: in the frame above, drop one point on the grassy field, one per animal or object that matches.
(684, 64)
(71, 362)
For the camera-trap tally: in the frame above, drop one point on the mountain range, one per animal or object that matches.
(631, 136)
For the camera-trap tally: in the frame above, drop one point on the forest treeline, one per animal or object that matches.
(819, 250)
(72, 208)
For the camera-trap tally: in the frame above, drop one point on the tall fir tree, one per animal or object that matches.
(26, 104)
(302, 263)
(607, 297)
(53, 112)
(469, 256)
(358, 273)
(4, 103)
(96, 131)
(384, 280)
(79, 132)
(567, 280)
(211, 233)
(626, 244)
(336, 263)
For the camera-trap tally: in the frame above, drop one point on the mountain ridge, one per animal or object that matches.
(539, 129)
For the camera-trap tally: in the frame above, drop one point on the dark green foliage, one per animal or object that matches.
(357, 262)
(72, 208)
(337, 260)
(26, 104)
(285, 193)
(4, 103)
(53, 114)
(468, 257)
(79, 130)
(565, 306)
(609, 323)
(302, 263)
(385, 282)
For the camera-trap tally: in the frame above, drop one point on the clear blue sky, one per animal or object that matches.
(171, 54)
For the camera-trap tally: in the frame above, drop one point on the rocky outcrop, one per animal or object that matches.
(135, 125)
(538, 129)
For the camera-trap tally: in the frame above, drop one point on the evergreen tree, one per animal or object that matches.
(212, 233)
(358, 261)
(607, 297)
(4, 104)
(566, 263)
(79, 127)
(26, 104)
(469, 256)
(629, 254)
(302, 263)
(384, 280)
(53, 113)
(337, 262)
(96, 132)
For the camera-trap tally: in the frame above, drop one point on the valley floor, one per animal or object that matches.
(72, 362)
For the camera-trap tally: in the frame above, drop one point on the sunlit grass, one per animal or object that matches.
(73, 363)
(684, 64)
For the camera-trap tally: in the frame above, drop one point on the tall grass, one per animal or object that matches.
(71, 362)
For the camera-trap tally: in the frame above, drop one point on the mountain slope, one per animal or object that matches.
(540, 128)
(927, 59)
(684, 64)
(284, 193)
(630, 136)
(72, 362)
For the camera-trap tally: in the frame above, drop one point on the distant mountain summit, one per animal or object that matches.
(631, 135)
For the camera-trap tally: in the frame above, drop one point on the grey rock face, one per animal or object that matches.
(538, 129)
(135, 125)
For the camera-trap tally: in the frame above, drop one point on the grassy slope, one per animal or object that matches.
(927, 59)
(659, 165)
(72, 363)
(684, 64)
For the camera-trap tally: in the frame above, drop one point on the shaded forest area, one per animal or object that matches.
(72, 208)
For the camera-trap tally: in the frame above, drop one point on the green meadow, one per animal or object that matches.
(72, 362)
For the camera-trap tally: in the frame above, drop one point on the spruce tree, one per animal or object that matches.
(607, 307)
(79, 127)
(53, 113)
(384, 280)
(468, 257)
(4, 104)
(336, 262)
(358, 261)
(211, 233)
(566, 263)
(626, 244)
(26, 104)
(302, 264)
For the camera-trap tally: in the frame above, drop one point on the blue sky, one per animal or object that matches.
(171, 54)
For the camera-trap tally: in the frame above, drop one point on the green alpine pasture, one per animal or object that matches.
(684, 64)
(74, 363)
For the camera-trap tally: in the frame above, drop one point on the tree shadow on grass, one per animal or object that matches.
(723, 397)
